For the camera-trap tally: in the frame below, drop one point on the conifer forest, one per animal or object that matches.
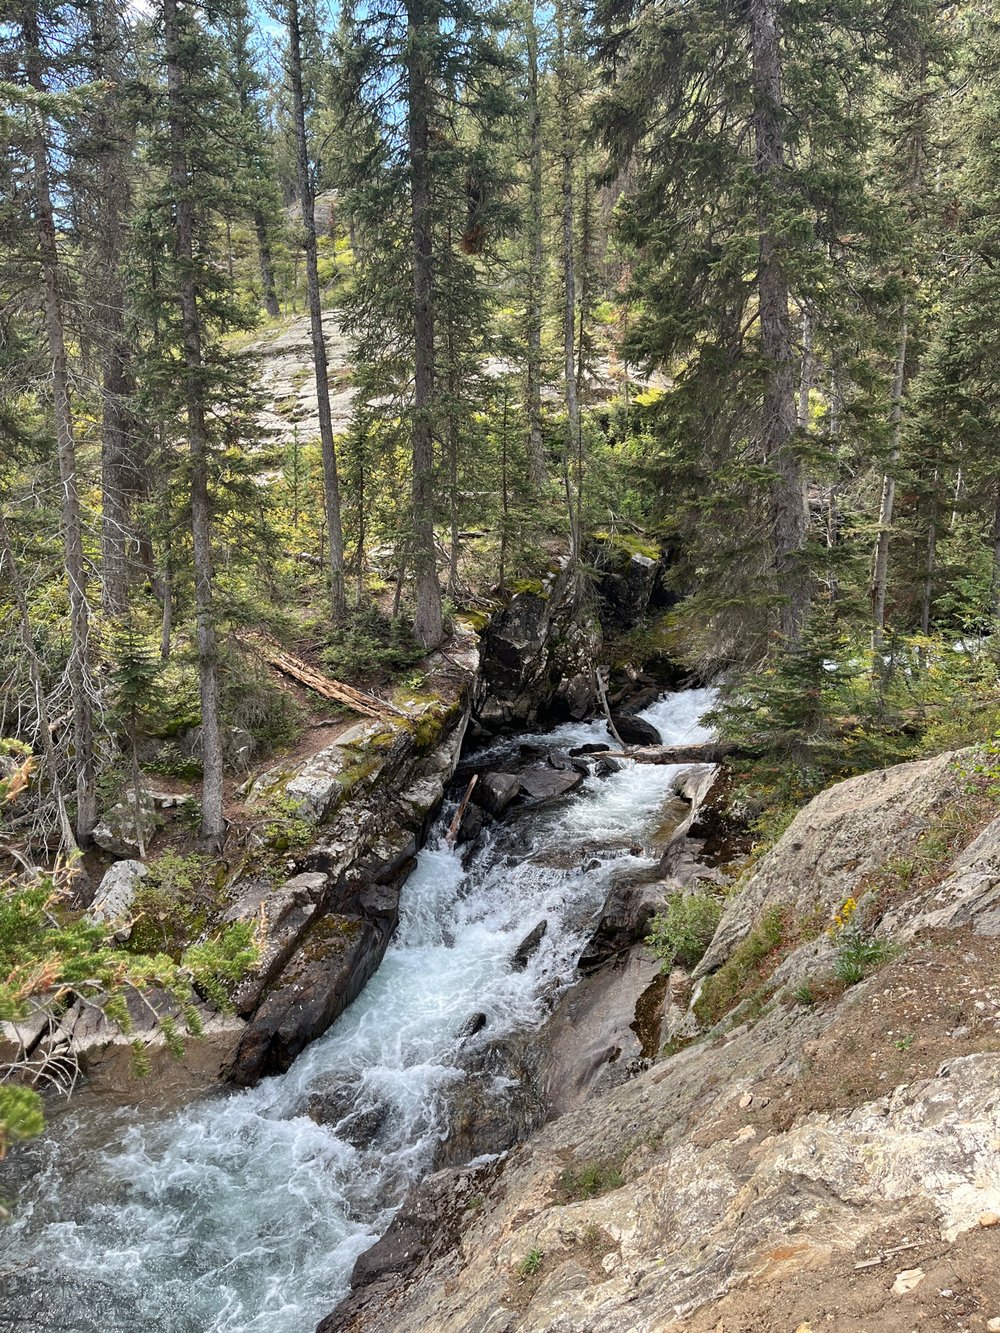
(382, 377)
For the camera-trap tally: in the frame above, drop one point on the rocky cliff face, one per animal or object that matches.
(806, 1153)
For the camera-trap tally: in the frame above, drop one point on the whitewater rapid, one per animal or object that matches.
(245, 1212)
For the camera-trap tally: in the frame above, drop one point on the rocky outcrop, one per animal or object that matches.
(371, 796)
(833, 844)
(538, 657)
(116, 891)
(834, 1159)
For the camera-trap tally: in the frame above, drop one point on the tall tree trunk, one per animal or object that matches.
(789, 514)
(929, 560)
(212, 821)
(331, 479)
(266, 264)
(995, 575)
(427, 624)
(78, 667)
(533, 366)
(573, 444)
(806, 373)
(44, 727)
(880, 565)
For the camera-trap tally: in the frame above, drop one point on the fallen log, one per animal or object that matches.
(290, 665)
(711, 752)
(456, 823)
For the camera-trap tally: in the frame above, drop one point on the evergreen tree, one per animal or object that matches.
(747, 178)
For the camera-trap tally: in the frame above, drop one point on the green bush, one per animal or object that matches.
(683, 930)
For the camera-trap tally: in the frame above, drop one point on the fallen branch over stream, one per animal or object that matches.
(711, 752)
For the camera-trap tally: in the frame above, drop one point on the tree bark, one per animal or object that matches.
(69, 845)
(573, 445)
(212, 821)
(930, 560)
(78, 666)
(533, 365)
(880, 567)
(427, 624)
(266, 264)
(331, 479)
(789, 514)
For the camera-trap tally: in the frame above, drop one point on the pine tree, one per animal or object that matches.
(745, 153)
(37, 30)
(441, 60)
(300, 86)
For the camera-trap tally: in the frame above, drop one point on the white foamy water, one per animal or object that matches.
(243, 1213)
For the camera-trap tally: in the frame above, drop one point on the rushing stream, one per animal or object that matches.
(242, 1212)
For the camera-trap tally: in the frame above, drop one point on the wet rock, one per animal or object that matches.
(284, 913)
(538, 655)
(472, 823)
(116, 891)
(640, 700)
(635, 730)
(624, 921)
(329, 970)
(528, 947)
(496, 791)
(429, 1225)
(603, 768)
(541, 785)
(589, 748)
(625, 588)
(472, 1026)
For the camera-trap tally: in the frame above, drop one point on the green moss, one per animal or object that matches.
(357, 773)
(631, 543)
(535, 586)
(474, 620)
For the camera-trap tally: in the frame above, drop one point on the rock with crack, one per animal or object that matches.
(116, 891)
(496, 791)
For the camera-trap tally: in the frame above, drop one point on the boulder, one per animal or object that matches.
(542, 785)
(495, 792)
(841, 837)
(528, 946)
(603, 768)
(330, 969)
(589, 748)
(117, 830)
(116, 891)
(635, 730)
(471, 824)
(538, 655)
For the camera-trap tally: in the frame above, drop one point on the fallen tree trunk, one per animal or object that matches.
(327, 688)
(711, 752)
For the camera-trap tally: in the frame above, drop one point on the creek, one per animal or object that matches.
(245, 1211)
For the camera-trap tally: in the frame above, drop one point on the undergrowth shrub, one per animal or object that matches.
(743, 973)
(683, 930)
(370, 642)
